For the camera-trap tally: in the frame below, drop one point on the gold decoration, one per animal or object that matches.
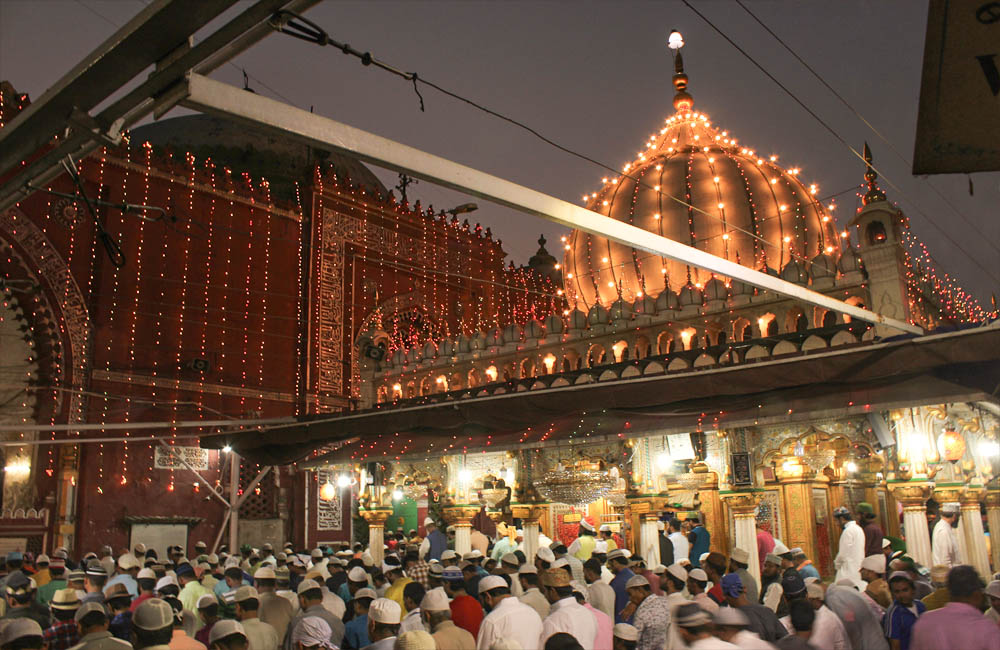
(913, 496)
(742, 503)
(459, 515)
(376, 516)
(576, 485)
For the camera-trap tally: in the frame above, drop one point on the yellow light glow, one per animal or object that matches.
(20, 467)
(787, 239)
(604, 259)
(491, 373)
(656, 216)
(725, 235)
(328, 492)
(773, 158)
(711, 160)
(611, 284)
(716, 179)
(722, 205)
(550, 362)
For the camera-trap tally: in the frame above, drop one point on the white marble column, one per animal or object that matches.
(531, 530)
(463, 539)
(650, 535)
(376, 542)
(913, 498)
(745, 529)
(971, 523)
(993, 519)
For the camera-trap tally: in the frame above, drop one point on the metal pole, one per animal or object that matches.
(253, 484)
(234, 511)
(228, 101)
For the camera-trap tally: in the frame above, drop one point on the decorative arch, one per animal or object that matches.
(742, 329)
(796, 320)
(595, 355)
(664, 343)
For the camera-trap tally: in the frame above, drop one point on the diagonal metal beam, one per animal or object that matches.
(210, 96)
(49, 115)
(253, 484)
(156, 31)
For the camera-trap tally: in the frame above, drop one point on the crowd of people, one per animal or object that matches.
(589, 594)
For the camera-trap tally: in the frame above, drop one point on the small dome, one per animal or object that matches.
(430, 350)
(414, 354)
(716, 289)
(464, 343)
(446, 348)
(849, 261)
(554, 324)
(512, 333)
(494, 337)
(645, 305)
(478, 341)
(795, 272)
(822, 266)
(620, 310)
(597, 315)
(667, 300)
(690, 295)
(398, 357)
(739, 288)
(534, 329)
(577, 320)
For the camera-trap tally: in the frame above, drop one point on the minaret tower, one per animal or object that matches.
(879, 225)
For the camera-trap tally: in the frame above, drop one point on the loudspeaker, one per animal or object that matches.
(881, 429)
(374, 352)
(199, 365)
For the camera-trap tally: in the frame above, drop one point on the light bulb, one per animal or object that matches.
(851, 466)
(344, 481)
(227, 449)
(675, 41)
(328, 492)
(397, 495)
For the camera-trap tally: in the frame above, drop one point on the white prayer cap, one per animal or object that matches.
(383, 610)
(678, 572)
(545, 554)
(815, 590)
(874, 563)
(365, 592)
(625, 632)
(491, 582)
(415, 640)
(225, 627)
(605, 528)
(586, 525)
(357, 574)
(435, 600)
(528, 568)
(699, 575)
(731, 616)
(428, 522)
(637, 581)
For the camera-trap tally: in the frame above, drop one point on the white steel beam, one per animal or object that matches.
(211, 96)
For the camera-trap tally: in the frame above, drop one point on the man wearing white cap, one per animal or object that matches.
(436, 612)
(731, 625)
(739, 562)
(697, 583)
(606, 535)
(583, 546)
(944, 540)
(504, 544)
(312, 634)
(851, 550)
(261, 635)
(384, 616)
(566, 614)
(274, 610)
(649, 614)
(508, 618)
(674, 581)
(531, 593)
(311, 604)
(696, 629)
(434, 544)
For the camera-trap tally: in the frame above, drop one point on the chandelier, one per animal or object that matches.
(576, 485)
(817, 459)
(491, 497)
(415, 491)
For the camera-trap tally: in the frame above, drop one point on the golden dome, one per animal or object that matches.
(744, 207)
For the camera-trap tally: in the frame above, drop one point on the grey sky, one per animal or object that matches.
(596, 78)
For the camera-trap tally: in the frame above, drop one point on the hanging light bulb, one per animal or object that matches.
(675, 41)
(328, 492)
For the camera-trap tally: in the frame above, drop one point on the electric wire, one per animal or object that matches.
(294, 25)
(861, 117)
(840, 138)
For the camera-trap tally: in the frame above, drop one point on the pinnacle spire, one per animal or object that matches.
(682, 100)
(874, 193)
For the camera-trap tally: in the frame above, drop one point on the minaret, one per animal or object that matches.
(879, 226)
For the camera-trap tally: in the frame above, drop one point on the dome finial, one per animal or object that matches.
(682, 100)
(874, 193)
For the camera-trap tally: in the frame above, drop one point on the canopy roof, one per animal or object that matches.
(955, 366)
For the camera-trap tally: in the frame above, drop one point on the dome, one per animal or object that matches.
(746, 208)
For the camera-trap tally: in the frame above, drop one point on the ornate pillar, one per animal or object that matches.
(800, 515)
(971, 525)
(993, 518)
(461, 518)
(529, 514)
(376, 519)
(913, 498)
(743, 505)
(712, 514)
(649, 539)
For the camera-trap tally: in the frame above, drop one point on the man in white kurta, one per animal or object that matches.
(851, 551)
(566, 615)
(944, 542)
(509, 618)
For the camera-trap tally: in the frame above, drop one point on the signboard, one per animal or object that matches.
(329, 512)
(958, 126)
(196, 457)
(680, 446)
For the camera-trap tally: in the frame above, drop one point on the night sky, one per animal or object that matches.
(594, 77)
